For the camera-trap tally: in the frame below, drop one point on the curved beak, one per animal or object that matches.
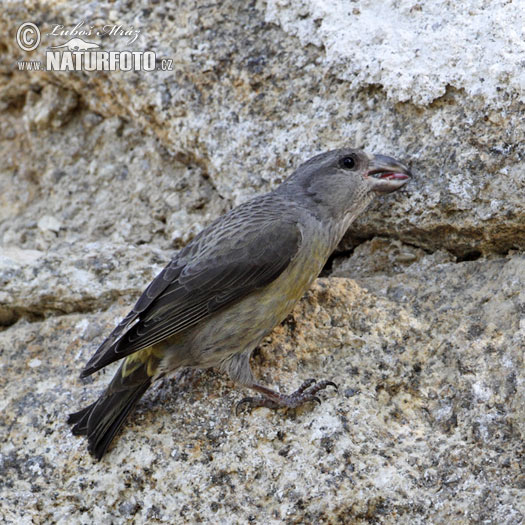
(387, 174)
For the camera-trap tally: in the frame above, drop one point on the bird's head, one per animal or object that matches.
(343, 182)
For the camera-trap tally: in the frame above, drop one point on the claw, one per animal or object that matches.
(320, 386)
(244, 401)
(304, 386)
(270, 399)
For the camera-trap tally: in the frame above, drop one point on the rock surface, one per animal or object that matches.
(427, 425)
(421, 321)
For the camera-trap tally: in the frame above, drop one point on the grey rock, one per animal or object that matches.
(432, 430)
(421, 323)
(53, 106)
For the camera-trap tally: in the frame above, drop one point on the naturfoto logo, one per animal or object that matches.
(79, 53)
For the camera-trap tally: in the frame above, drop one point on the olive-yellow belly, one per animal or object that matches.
(241, 326)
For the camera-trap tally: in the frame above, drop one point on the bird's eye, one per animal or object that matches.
(348, 163)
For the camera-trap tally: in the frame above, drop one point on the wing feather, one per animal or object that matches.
(201, 281)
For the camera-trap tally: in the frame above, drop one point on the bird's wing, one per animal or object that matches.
(189, 290)
(168, 275)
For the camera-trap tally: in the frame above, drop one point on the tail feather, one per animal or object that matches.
(101, 420)
(109, 415)
(80, 420)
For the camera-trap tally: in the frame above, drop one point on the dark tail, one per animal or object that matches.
(102, 420)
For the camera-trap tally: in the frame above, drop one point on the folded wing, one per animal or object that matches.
(195, 285)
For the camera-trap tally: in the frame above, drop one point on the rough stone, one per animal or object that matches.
(245, 103)
(427, 426)
(69, 278)
(421, 322)
(415, 49)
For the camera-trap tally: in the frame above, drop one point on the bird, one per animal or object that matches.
(228, 288)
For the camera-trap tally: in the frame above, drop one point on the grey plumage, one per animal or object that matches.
(229, 287)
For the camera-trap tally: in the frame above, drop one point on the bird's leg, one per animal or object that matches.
(271, 399)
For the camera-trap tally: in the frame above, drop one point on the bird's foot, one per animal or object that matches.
(271, 399)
